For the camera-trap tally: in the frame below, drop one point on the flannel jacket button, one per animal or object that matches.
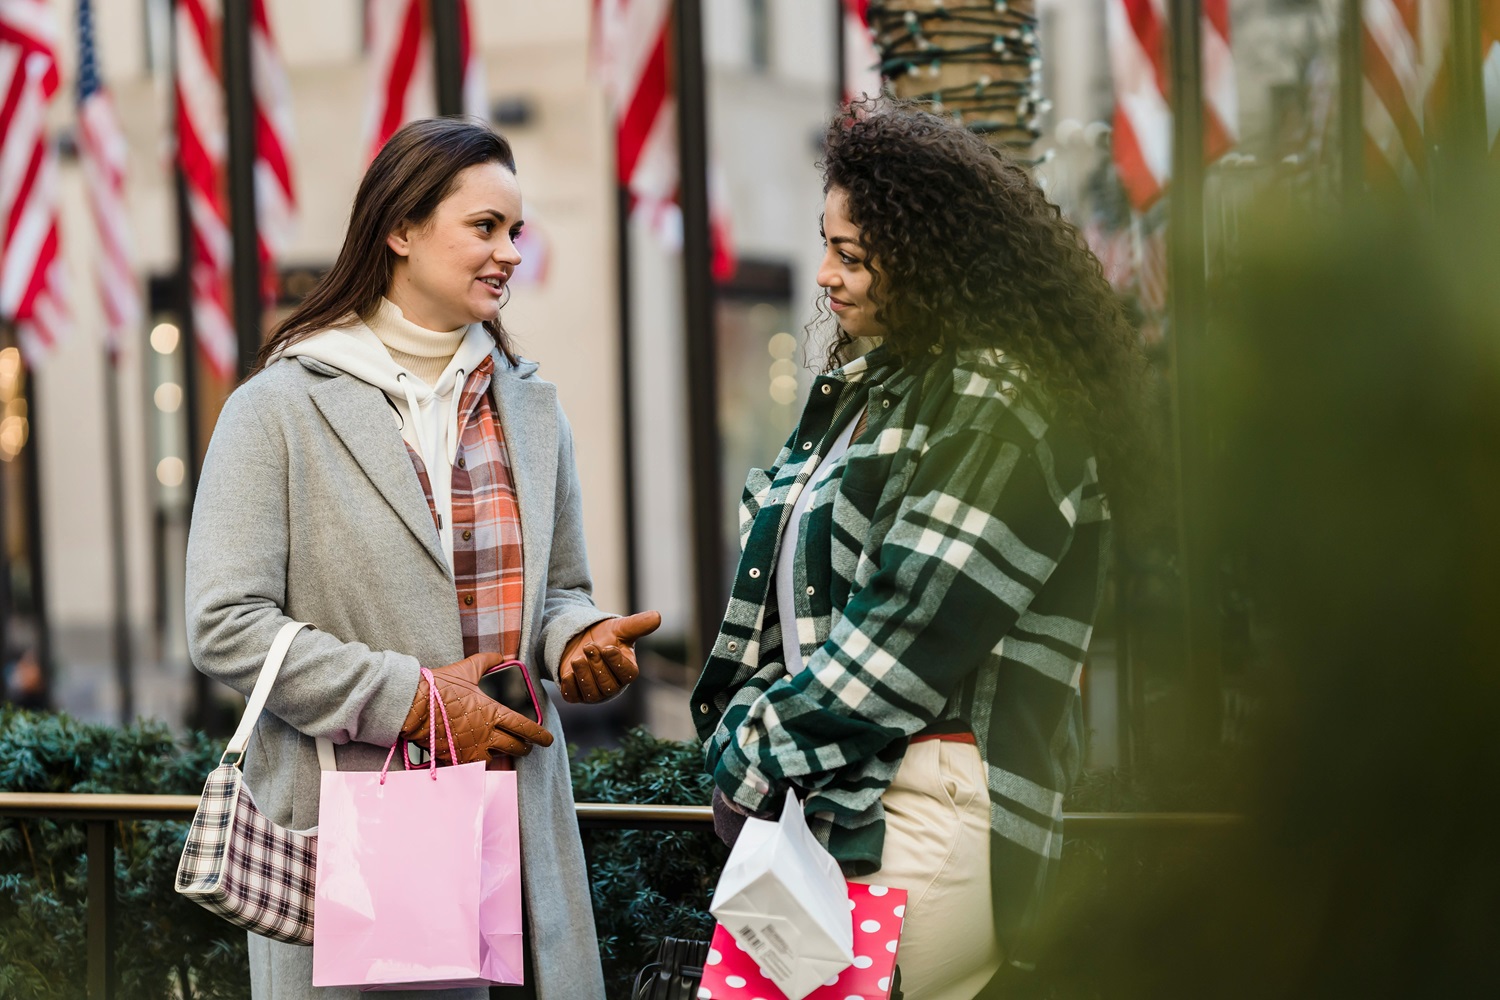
(807, 446)
(468, 598)
(732, 646)
(754, 573)
(811, 591)
(468, 534)
(462, 464)
(827, 388)
(703, 708)
(886, 404)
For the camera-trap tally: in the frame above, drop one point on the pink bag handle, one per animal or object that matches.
(536, 706)
(434, 707)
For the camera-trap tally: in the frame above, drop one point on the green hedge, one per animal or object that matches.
(646, 884)
(167, 945)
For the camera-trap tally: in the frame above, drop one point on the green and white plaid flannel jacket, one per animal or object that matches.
(949, 573)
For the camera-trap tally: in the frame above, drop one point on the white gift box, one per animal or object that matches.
(783, 898)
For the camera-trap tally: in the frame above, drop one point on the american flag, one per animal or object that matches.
(402, 83)
(1137, 33)
(275, 193)
(101, 150)
(31, 268)
(861, 64)
(202, 150)
(202, 146)
(633, 58)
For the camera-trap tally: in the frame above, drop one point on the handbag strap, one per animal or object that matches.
(262, 689)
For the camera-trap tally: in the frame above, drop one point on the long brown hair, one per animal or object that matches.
(410, 176)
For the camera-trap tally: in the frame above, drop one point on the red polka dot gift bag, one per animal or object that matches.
(730, 973)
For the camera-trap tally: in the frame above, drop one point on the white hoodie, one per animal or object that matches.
(427, 415)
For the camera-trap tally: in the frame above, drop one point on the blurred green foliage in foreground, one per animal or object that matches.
(1354, 377)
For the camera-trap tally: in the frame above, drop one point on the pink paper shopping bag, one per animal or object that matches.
(731, 974)
(418, 880)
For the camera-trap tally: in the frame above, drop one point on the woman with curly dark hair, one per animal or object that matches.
(923, 564)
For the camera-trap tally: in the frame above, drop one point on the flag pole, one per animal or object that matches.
(36, 557)
(1467, 124)
(1187, 305)
(699, 327)
(6, 598)
(239, 99)
(1351, 98)
(625, 348)
(840, 57)
(187, 327)
(447, 56)
(114, 447)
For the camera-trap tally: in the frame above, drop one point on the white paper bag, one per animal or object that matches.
(785, 901)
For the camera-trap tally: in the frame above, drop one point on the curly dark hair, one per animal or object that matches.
(966, 251)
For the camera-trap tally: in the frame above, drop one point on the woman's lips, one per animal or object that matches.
(837, 305)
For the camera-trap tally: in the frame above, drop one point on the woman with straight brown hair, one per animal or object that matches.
(396, 475)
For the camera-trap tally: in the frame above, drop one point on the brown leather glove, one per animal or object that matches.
(480, 724)
(599, 661)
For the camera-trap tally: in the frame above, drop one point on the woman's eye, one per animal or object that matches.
(852, 262)
(515, 234)
(486, 226)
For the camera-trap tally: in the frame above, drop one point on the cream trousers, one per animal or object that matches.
(937, 848)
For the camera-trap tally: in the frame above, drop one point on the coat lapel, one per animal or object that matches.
(528, 418)
(361, 417)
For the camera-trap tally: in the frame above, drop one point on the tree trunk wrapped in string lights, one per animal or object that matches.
(978, 61)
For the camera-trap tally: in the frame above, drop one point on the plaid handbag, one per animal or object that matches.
(238, 863)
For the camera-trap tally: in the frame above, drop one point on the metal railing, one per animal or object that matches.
(100, 813)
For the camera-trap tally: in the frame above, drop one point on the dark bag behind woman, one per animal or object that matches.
(675, 974)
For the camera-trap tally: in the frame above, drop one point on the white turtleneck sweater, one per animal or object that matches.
(422, 372)
(423, 352)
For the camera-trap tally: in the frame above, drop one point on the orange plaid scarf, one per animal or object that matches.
(486, 525)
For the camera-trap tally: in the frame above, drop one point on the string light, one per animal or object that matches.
(918, 48)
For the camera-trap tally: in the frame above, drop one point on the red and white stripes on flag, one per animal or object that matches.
(403, 86)
(275, 192)
(202, 147)
(31, 268)
(861, 63)
(102, 154)
(1138, 56)
(633, 58)
(1395, 91)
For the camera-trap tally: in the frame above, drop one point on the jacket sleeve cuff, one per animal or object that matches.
(742, 782)
(393, 702)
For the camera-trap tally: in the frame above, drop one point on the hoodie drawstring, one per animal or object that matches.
(458, 384)
(450, 427)
(412, 407)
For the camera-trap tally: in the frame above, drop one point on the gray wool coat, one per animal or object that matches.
(308, 508)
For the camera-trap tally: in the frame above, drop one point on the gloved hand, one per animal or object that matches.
(599, 661)
(480, 723)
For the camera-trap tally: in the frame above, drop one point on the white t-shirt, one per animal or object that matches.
(786, 559)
